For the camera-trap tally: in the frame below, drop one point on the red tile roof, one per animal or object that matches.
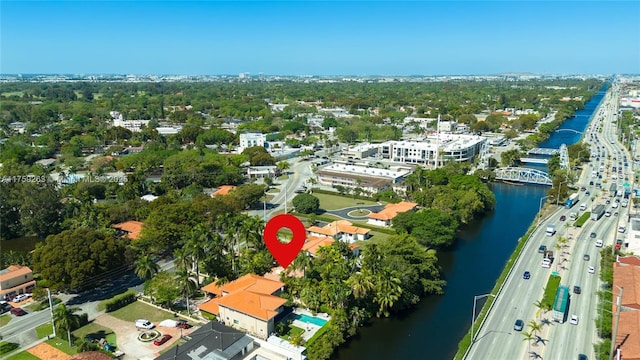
(132, 228)
(223, 190)
(336, 227)
(14, 271)
(391, 210)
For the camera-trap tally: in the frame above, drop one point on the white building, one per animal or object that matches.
(632, 240)
(361, 151)
(132, 125)
(450, 147)
(353, 176)
(248, 140)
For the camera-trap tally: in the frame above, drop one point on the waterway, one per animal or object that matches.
(434, 327)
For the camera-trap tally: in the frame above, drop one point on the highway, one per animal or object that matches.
(497, 339)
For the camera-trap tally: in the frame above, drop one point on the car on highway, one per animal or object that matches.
(161, 340)
(519, 325)
(591, 270)
(144, 324)
(582, 357)
(526, 275)
(546, 263)
(593, 235)
(574, 320)
(599, 243)
(542, 249)
(586, 257)
(577, 289)
(563, 218)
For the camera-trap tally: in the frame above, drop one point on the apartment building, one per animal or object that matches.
(248, 140)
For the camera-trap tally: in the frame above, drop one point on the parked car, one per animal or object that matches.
(526, 275)
(144, 324)
(183, 324)
(161, 340)
(21, 297)
(519, 325)
(18, 311)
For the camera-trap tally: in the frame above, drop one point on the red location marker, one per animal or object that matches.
(284, 253)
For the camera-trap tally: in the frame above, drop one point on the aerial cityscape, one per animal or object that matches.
(319, 180)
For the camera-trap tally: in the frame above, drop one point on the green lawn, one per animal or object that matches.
(292, 331)
(4, 319)
(44, 330)
(273, 190)
(23, 356)
(283, 177)
(333, 202)
(96, 331)
(62, 344)
(139, 310)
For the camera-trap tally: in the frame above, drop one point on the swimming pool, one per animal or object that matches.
(310, 319)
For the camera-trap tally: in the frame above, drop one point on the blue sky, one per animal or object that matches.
(320, 38)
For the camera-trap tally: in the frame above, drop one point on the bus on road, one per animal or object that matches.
(560, 304)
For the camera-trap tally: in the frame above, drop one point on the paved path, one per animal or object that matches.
(344, 213)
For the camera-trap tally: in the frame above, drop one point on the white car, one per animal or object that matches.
(591, 270)
(614, 205)
(599, 243)
(144, 324)
(546, 263)
(622, 229)
(574, 320)
(21, 297)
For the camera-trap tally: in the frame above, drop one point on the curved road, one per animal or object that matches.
(344, 213)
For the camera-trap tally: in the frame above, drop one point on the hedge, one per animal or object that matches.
(550, 292)
(582, 219)
(119, 301)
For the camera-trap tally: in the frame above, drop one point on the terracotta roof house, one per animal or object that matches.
(386, 215)
(130, 229)
(626, 275)
(223, 190)
(313, 243)
(340, 230)
(212, 341)
(15, 280)
(249, 303)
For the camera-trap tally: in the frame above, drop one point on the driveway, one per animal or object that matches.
(127, 337)
(344, 213)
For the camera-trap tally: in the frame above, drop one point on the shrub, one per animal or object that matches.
(121, 300)
(550, 291)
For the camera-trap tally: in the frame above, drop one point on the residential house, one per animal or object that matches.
(16, 280)
(386, 215)
(249, 303)
(130, 229)
(223, 190)
(313, 243)
(212, 341)
(341, 230)
(626, 275)
(260, 172)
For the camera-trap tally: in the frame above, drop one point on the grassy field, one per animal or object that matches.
(139, 310)
(4, 319)
(13, 93)
(23, 356)
(44, 330)
(62, 345)
(333, 202)
(95, 331)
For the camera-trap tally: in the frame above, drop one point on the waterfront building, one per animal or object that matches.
(385, 216)
(449, 147)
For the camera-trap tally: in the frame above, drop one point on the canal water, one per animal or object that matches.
(434, 327)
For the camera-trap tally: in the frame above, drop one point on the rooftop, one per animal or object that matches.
(13, 271)
(365, 171)
(133, 228)
(391, 210)
(336, 227)
(223, 190)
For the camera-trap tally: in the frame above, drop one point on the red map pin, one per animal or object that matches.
(284, 253)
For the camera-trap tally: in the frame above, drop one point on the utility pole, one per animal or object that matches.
(53, 325)
(615, 329)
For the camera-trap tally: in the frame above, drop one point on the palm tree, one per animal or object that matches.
(539, 305)
(282, 166)
(183, 260)
(360, 284)
(188, 286)
(195, 247)
(528, 337)
(534, 326)
(65, 319)
(301, 262)
(146, 267)
(388, 291)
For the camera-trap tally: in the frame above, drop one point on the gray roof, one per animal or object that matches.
(213, 341)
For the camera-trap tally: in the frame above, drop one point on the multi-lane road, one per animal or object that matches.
(497, 338)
